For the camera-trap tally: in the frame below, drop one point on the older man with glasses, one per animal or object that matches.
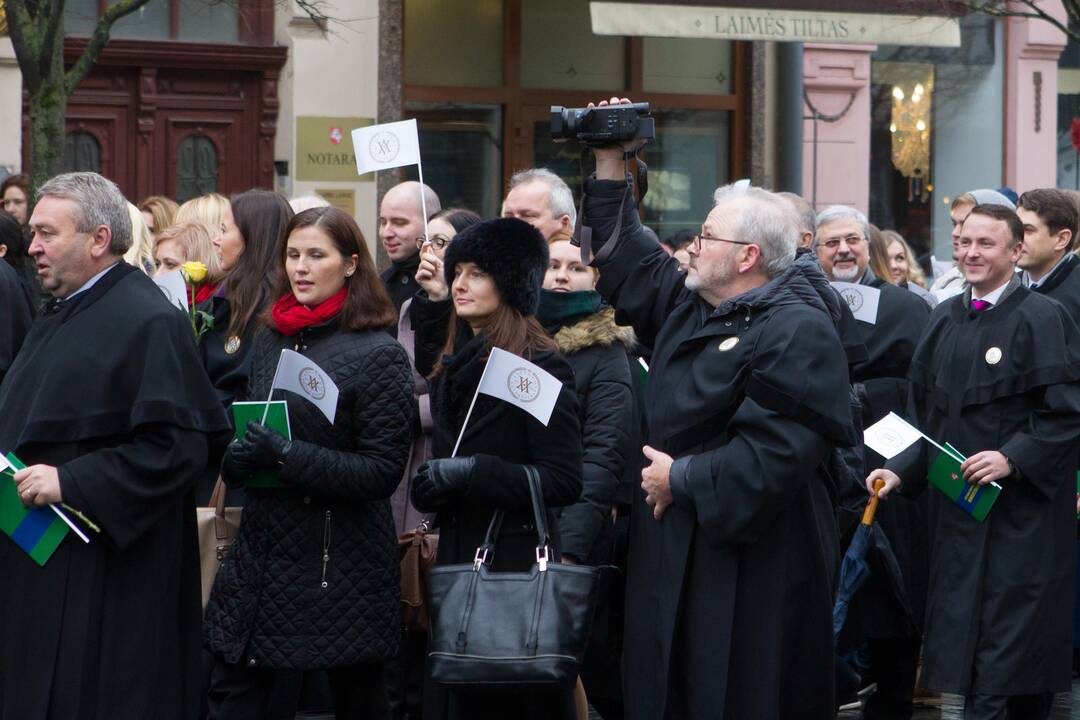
(733, 548)
(890, 336)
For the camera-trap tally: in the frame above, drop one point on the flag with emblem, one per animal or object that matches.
(890, 436)
(385, 146)
(518, 381)
(301, 376)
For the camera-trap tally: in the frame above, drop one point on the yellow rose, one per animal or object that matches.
(194, 272)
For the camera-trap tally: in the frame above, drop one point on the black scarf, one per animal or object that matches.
(559, 309)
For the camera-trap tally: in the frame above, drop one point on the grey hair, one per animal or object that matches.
(98, 201)
(769, 222)
(843, 212)
(807, 216)
(560, 199)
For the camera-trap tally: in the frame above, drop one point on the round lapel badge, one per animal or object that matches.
(729, 343)
(232, 345)
(993, 356)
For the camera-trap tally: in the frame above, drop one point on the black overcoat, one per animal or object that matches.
(110, 390)
(1000, 602)
(312, 580)
(729, 598)
(1063, 284)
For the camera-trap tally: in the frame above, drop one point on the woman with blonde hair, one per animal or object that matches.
(892, 260)
(159, 212)
(208, 209)
(188, 242)
(141, 253)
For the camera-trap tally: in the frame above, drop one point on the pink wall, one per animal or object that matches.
(1032, 50)
(833, 76)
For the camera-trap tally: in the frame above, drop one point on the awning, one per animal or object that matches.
(766, 21)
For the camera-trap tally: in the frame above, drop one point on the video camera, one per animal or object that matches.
(600, 126)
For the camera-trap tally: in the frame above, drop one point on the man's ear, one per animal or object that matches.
(567, 226)
(1064, 240)
(751, 258)
(100, 240)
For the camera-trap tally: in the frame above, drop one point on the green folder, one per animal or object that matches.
(277, 419)
(945, 475)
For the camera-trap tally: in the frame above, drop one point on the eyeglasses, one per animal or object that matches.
(833, 243)
(695, 242)
(437, 241)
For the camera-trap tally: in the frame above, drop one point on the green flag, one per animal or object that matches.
(945, 475)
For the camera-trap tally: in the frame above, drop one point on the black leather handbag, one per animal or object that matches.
(511, 628)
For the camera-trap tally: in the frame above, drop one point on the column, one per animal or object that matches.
(836, 80)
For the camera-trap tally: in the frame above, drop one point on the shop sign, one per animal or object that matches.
(778, 25)
(324, 149)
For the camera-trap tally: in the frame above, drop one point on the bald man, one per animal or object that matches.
(401, 228)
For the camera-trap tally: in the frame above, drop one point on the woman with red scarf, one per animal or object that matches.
(311, 582)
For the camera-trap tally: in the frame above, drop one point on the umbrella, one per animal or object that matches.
(854, 570)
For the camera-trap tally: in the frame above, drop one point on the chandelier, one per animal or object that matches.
(910, 130)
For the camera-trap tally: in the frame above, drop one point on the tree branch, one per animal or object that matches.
(98, 40)
(1000, 9)
(25, 41)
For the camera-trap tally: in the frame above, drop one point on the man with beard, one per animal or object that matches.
(892, 636)
(733, 554)
(997, 375)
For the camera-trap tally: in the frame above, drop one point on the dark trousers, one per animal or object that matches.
(241, 693)
(404, 677)
(1008, 707)
(893, 665)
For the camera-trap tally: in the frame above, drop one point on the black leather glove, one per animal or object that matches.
(437, 481)
(234, 470)
(261, 449)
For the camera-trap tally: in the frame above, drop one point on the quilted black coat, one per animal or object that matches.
(312, 579)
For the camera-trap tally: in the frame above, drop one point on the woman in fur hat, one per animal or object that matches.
(494, 270)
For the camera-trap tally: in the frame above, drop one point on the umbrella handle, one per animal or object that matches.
(871, 505)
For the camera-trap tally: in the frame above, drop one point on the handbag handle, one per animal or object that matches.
(217, 501)
(486, 551)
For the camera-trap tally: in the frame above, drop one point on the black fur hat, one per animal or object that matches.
(511, 251)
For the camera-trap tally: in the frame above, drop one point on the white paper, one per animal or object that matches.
(172, 284)
(300, 375)
(890, 436)
(516, 380)
(390, 145)
(862, 299)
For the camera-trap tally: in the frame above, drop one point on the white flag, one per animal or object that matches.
(172, 284)
(516, 380)
(390, 145)
(862, 299)
(299, 375)
(890, 435)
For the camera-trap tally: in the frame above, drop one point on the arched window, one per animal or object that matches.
(82, 152)
(196, 168)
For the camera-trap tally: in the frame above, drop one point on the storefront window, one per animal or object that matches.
(454, 42)
(949, 140)
(462, 150)
(150, 22)
(558, 49)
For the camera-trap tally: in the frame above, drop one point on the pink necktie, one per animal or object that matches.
(980, 305)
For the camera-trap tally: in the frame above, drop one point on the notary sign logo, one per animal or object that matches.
(312, 384)
(523, 384)
(384, 147)
(336, 135)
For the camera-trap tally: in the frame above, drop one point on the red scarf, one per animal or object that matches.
(205, 292)
(291, 317)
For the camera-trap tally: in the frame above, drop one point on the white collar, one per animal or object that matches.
(993, 296)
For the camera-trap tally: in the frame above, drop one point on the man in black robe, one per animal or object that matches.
(843, 247)
(997, 375)
(733, 551)
(108, 406)
(16, 314)
(401, 228)
(1050, 267)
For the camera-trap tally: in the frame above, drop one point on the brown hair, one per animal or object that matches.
(162, 209)
(1056, 208)
(1005, 215)
(507, 329)
(20, 181)
(261, 217)
(879, 258)
(367, 304)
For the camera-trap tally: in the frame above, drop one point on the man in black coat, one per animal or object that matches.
(734, 549)
(843, 247)
(1048, 263)
(16, 316)
(110, 409)
(401, 226)
(997, 375)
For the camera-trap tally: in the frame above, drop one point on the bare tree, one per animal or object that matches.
(1033, 9)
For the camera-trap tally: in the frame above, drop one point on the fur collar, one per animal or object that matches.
(598, 329)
